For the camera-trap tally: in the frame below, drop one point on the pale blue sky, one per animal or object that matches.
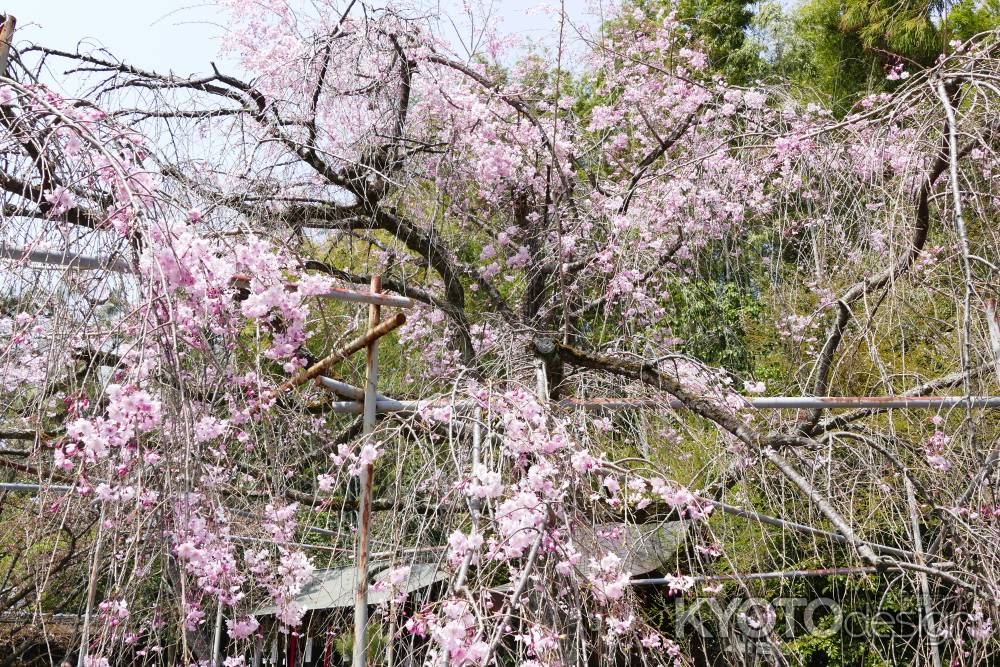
(153, 33)
(184, 35)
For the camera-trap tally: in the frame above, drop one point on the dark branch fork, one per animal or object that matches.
(367, 213)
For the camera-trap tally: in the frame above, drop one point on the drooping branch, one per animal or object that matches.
(663, 145)
(649, 374)
(844, 314)
(78, 215)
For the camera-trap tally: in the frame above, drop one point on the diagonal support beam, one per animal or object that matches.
(359, 343)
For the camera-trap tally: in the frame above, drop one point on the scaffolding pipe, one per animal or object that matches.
(368, 297)
(15, 487)
(349, 391)
(800, 527)
(361, 342)
(103, 263)
(802, 402)
(65, 259)
(385, 404)
(91, 592)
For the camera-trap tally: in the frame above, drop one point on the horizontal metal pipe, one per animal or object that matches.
(368, 297)
(296, 545)
(799, 402)
(914, 402)
(769, 403)
(15, 487)
(383, 406)
(346, 390)
(787, 574)
(65, 259)
(119, 266)
(34, 616)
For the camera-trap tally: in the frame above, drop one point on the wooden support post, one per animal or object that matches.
(365, 490)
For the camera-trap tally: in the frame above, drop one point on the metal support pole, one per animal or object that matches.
(91, 592)
(14, 487)
(217, 638)
(787, 574)
(390, 646)
(993, 325)
(65, 258)
(368, 297)
(385, 404)
(925, 589)
(800, 402)
(365, 491)
(368, 340)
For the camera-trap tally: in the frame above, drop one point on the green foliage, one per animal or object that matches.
(722, 27)
(828, 64)
(378, 640)
(908, 29)
(971, 17)
(836, 51)
(728, 306)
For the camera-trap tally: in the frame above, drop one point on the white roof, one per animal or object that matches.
(642, 548)
(329, 589)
